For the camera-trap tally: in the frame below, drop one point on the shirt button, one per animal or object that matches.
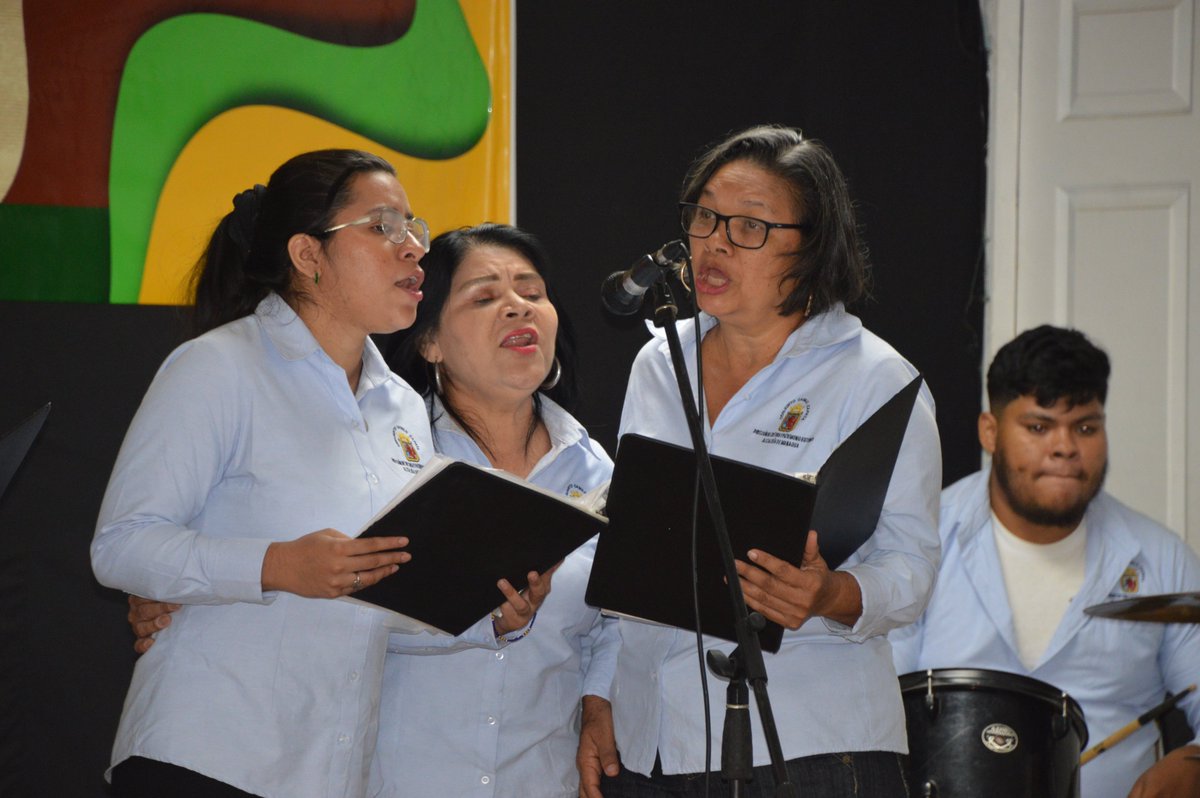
(356, 425)
(354, 676)
(486, 780)
(499, 655)
(654, 676)
(374, 480)
(343, 739)
(491, 721)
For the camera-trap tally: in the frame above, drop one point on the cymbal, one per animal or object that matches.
(1164, 608)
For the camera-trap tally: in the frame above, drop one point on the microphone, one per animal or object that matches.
(622, 292)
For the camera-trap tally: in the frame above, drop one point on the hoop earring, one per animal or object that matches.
(684, 273)
(316, 278)
(554, 376)
(437, 379)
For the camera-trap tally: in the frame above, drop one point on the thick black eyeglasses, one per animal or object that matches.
(743, 231)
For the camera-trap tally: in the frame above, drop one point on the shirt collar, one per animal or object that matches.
(1099, 518)
(287, 331)
(564, 430)
(294, 341)
(562, 427)
(834, 326)
(375, 369)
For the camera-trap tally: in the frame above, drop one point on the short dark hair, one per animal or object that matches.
(247, 255)
(446, 253)
(831, 265)
(1048, 363)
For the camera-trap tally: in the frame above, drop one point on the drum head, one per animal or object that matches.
(974, 732)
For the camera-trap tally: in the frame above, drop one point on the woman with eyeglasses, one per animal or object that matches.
(259, 446)
(776, 257)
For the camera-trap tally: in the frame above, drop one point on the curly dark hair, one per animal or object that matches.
(1048, 363)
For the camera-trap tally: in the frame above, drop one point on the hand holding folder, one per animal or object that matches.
(469, 527)
(764, 510)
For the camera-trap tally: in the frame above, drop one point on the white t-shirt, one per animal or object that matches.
(1041, 580)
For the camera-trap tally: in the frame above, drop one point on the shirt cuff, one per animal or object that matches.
(235, 568)
(854, 634)
(598, 684)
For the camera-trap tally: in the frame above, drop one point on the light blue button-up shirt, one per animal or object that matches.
(250, 434)
(1116, 670)
(503, 723)
(833, 688)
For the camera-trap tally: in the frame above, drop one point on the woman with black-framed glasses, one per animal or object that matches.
(788, 374)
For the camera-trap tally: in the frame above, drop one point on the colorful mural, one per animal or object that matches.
(144, 120)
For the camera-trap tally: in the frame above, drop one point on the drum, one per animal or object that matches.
(978, 733)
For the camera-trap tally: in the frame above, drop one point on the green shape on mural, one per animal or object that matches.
(425, 94)
(53, 254)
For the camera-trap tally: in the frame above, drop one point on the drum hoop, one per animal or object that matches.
(997, 681)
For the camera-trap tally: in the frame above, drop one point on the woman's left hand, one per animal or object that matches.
(790, 595)
(519, 607)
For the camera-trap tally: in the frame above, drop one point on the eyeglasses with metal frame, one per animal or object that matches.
(393, 224)
(746, 232)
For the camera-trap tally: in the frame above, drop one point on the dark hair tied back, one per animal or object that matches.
(245, 216)
(247, 256)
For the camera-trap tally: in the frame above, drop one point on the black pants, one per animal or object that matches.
(865, 774)
(148, 778)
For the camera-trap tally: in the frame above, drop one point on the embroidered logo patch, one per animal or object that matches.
(1131, 580)
(784, 433)
(408, 445)
(793, 414)
(575, 491)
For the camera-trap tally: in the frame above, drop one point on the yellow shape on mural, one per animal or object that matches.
(241, 147)
(14, 90)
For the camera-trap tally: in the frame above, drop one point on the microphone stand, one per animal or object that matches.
(745, 663)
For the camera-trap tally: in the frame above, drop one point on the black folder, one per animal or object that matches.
(650, 504)
(467, 527)
(16, 442)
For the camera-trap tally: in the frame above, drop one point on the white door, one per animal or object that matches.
(1095, 152)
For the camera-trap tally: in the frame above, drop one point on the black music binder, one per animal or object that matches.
(467, 527)
(643, 563)
(16, 442)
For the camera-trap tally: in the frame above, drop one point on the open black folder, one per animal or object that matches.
(15, 443)
(467, 527)
(643, 563)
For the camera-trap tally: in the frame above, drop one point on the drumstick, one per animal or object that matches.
(1129, 728)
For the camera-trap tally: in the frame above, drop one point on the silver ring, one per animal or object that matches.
(357, 585)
